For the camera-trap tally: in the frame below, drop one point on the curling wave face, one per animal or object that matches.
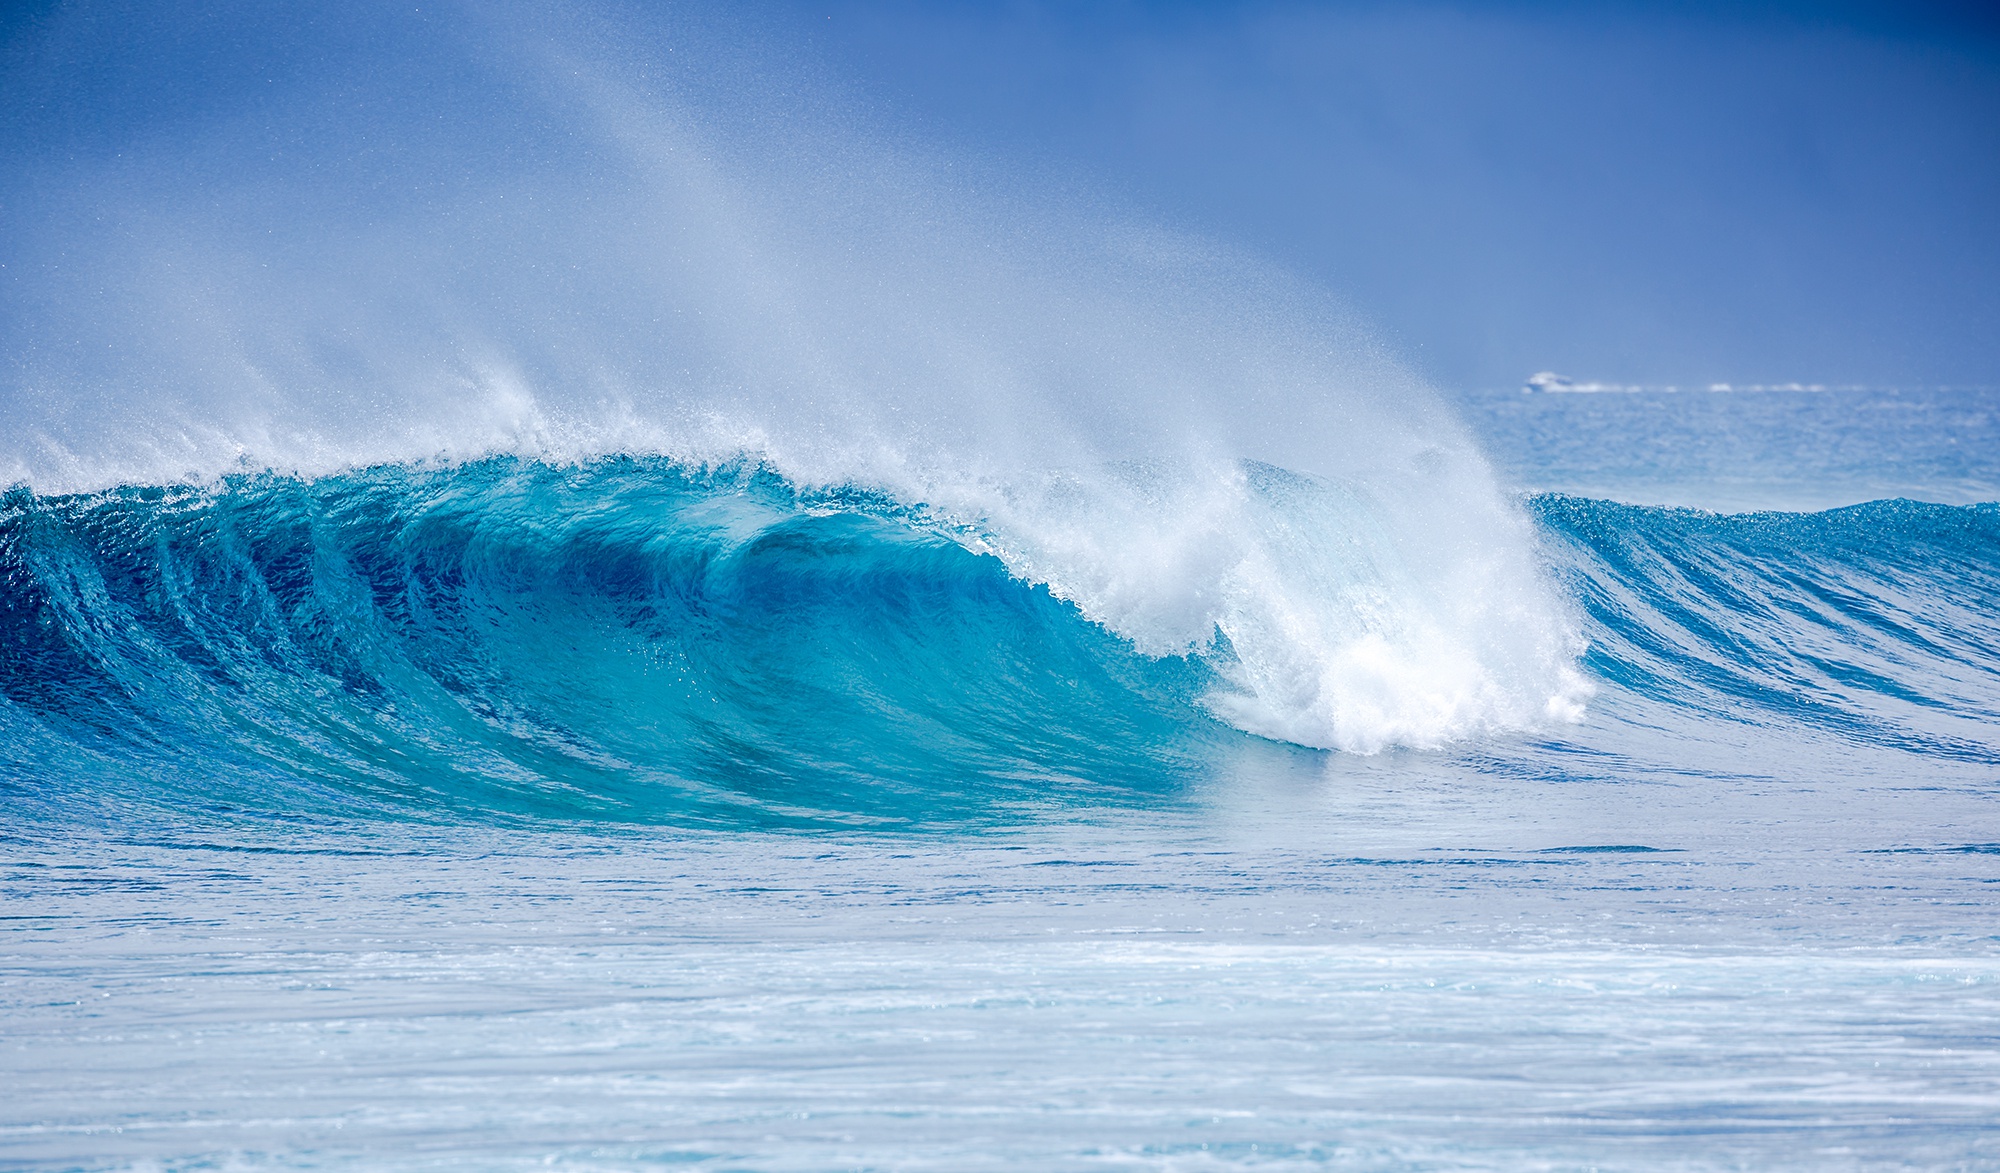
(630, 640)
(636, 639)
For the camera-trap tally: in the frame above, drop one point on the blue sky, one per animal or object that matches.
(1640, 193)
(1656, 193)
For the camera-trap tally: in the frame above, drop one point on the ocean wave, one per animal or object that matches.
(624, 640)
(1873, 624)
(644, 640)
(638, 637)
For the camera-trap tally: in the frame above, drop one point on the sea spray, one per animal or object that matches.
(570, 605)
(660, 253)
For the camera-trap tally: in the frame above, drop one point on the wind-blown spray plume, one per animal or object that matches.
(569, 254)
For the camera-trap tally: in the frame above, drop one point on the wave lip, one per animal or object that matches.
(1342, 640)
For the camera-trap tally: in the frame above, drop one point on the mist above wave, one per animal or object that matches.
(562, 233)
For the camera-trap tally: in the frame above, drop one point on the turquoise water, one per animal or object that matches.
(573, 596)
(627, 813)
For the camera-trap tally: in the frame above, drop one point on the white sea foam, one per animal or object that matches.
(1106, 406)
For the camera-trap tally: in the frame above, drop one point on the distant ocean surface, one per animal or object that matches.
(1747, 450)
(636, 810)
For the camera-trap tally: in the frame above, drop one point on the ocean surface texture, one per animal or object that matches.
(632, 811)
(873, 586)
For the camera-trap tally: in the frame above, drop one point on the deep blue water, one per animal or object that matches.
(626, 812)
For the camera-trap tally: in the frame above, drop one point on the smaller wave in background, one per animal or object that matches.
(1872, 625)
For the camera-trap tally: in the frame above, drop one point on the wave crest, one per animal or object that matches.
(636, 637)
